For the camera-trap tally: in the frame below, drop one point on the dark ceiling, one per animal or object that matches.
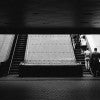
(50, 13)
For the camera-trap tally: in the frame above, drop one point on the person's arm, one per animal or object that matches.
(91, 56)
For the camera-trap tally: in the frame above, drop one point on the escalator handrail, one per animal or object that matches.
(73, 44)
(13, 53)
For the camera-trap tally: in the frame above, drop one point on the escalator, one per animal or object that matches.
(18, 53)
(80, 58)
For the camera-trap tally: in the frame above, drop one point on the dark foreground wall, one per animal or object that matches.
(50, 71)
(4, 67)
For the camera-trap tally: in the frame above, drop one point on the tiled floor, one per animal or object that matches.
(79, 88)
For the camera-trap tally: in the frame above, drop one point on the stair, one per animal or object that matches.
(80, 58)
(18, 53)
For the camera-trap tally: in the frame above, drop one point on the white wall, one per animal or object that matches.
(49, 47)
(5, 46)
(94, 41)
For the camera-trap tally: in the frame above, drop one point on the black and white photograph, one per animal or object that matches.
(49, 49)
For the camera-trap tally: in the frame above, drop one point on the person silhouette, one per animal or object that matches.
(94, 62)
(83, 44)
(87, 59)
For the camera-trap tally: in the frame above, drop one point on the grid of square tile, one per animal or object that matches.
(51, 49)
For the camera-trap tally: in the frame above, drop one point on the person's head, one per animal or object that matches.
(83, 37)
(95, 49)
(87, 48)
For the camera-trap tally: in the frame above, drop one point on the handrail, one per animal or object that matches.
(73, 45)
(88, 44)
(13, 53)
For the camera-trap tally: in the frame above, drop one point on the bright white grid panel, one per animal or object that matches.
(52, 48)
(94, 41)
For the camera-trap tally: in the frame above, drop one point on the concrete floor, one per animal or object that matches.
(82, 88)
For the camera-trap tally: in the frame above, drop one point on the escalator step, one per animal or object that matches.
(19, 53)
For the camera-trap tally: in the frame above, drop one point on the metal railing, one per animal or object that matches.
(13, 54)
(73, 45)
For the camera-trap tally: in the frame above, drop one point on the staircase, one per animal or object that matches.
(18, 53)
(80, 58)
